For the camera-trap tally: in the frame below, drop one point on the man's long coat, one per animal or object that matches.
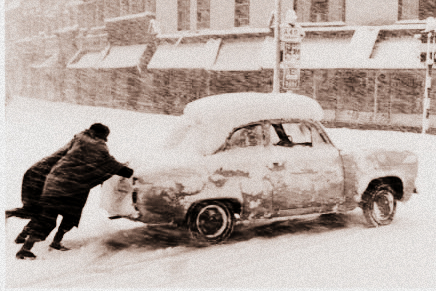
(34, 179)
(86, 164)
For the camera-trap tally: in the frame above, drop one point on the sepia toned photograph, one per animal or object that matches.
(226, 144)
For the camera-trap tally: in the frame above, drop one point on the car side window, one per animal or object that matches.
(290, 134)
(246, 137)
(299, 133)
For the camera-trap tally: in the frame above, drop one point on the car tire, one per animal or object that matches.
(211, 222)
(380, 206)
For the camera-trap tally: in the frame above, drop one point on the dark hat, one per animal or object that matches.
(100, 130)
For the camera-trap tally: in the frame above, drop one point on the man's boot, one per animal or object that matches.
(56, 244)
(21, 238)
(24, 253)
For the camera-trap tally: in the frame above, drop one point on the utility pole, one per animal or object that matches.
(425, 103)
(430, 56)
(277, 17)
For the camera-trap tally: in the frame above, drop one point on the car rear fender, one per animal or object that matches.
(365, 168)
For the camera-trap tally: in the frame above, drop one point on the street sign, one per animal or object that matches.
(291, 53)
(291, 77)
(291, 37)
(291, 33)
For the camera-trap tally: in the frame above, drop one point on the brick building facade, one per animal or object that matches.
(360, 59)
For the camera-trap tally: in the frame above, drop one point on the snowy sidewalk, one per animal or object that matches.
(124, 254)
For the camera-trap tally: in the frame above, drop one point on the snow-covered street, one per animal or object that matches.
(342, 253)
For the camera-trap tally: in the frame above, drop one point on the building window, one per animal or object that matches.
(112, 8)
(203, 14)
(416, 9)
(136, 6)
(427, 8)
(73, 15)
(242, 13)
(99, 13)
(183, 14)
(88, 14)
(150, 6)
(319, 11)
(124, 4)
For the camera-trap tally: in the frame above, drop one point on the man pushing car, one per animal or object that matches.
(60, 184)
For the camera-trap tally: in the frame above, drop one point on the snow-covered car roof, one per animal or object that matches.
(235, 109)
(207, 122)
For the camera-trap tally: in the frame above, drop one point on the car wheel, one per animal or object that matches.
(380, 206)
(211, 222)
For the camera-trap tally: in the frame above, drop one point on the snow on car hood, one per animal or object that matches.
(185, 146)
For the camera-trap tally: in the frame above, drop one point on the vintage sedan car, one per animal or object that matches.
(250, 156)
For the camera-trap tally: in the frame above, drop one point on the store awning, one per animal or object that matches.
(326, 53)
(240, 55)
(50, 62)
(396, 53)
(316, 53)
(338, 53)
(86, 60)
(123, 57)
(185, 56)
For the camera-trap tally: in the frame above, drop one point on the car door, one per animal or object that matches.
(305, 168)
(240, 162)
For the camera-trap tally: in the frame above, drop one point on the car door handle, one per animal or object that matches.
(276, 166)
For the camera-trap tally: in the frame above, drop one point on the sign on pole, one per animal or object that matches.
(291, 36)
(291, 77)
(291, 53)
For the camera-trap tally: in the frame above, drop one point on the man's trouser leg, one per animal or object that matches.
(66, 225)
(21, 238)
(38, 229)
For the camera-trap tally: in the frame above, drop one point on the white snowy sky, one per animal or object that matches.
(125, 254)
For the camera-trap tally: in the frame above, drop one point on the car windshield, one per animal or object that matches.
(194, 138)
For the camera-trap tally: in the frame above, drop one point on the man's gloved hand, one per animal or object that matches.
(125, 172)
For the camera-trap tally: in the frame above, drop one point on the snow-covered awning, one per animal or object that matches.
(240, 55)
(185, 56)
(396, 53)
(123, 57)
(316, 53)
(129, 17)
(325, 53)
(86, 60)
(50, 62)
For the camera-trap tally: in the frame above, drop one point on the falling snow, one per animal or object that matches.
(298, 254)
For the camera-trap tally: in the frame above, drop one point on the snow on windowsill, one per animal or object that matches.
(49, 36)
(68, 29)
(404, 26)
(26, 39)
(89, 36)
(129, 17)
(38, 37)
(101, 27)
(322, 24)
(396, 26)
(410, 21)
(211, 32)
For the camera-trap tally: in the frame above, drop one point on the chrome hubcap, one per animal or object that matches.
(212, 221)
(383, 206)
